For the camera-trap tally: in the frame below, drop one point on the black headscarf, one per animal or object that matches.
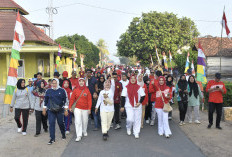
(182, 84)
(169, 83)
(101, 84)
(193, 87)
(38, 85)
(19, 84)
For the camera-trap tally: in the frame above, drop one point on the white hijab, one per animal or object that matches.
(141, 84)
(58, 84)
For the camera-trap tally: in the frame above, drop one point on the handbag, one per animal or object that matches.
(74, 104)
(55, 107)
(167, 107)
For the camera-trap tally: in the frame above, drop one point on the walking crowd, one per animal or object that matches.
(108, 95)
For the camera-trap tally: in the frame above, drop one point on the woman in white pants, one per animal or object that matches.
(106, 103)
(81, 96)
(165, 91)
(132, 98)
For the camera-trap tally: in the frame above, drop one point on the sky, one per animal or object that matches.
(95, 23)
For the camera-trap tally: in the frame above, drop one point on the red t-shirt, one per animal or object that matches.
(216, 95)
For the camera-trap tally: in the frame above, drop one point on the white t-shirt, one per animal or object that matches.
(124, 83)
(106, 107)
(141, 93)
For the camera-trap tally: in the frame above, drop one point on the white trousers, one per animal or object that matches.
(196, 113)
(153, 112)
(81, 121)
(134, 119)
(163, 125)
(106, 120)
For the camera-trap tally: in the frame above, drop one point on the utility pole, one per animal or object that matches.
(50, 11)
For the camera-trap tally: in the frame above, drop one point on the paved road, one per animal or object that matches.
(122, 145)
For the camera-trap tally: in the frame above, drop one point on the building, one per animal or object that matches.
(39, 51)
(218, 55)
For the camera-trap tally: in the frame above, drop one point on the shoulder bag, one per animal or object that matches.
(167, 107)
(74, 104)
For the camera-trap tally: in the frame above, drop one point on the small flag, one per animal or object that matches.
(224, 24)
(170, 58)
(18, 41)
(193, 70)
(201, 74)
(187, 64)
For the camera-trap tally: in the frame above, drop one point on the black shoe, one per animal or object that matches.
(209, 126)
(36, 135)
(63, 137)
(105, 137)
(51, 142)
(45, 130)
(218, 127)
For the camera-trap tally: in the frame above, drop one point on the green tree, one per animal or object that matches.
(103, 49)
(83, 46)
(164, 30)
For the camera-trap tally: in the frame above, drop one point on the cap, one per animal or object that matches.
(30, 79)
(56, 74)
(218, 75)
(65, 74)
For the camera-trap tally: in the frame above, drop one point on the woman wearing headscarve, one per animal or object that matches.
(21, 101)
(82, 99)
(182, 90)
(170, 84)
(37, 105)
(132, 98)
(162, 91)
(100, 84)
(106, 103)
(56, 104)
(145, 102)
(195, 96)
(67, 119)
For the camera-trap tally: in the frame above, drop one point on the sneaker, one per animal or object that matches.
(137, 136)
(85, 134)
(181, 123)
(128, 132)
(161, 134)
(19, 130)
(51, 142)
(117, 127)
(78, 139)
(45, 130)
(209, 126)
(63, 137)
(190, 122)
(67, 132)
(152, 123)
(169, 118)
(147, 121)
(167, 136)
(105, 137)
(218, 127)
(112, 125)
(197, 122)
(36, 135)
(24, 133)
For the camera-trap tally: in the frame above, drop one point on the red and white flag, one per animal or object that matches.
(224, 24)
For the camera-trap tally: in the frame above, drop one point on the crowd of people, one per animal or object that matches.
(108, 95)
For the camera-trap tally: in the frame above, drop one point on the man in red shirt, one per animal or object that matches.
(152, 75)
(215, 88)
(74, 80)
(117, 98)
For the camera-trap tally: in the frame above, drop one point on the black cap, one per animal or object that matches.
(218, 75)
(57, 74)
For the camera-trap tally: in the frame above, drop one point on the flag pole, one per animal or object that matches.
(221, 42)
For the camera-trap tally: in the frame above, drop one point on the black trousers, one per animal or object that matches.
(40, 118)
(148, 110)
(25, 115)
(212, 107)
(182, 109)
(117, 113)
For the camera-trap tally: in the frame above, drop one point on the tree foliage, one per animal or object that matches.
(83, 46)
(164, 30)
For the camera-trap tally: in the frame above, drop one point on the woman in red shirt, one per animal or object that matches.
(83, 99)
(161, 88)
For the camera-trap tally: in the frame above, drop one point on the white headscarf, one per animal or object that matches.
(58, 84)
(141, 84)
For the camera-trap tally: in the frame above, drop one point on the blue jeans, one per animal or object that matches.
(52, 116)
(68, 121)
(97, 119)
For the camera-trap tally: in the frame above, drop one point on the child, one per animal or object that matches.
(67, 119)
(30, 86)
(49, 85)
(96, 116)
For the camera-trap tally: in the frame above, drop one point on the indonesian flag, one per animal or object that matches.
(193, 70)
(18, 41)
(224, 24)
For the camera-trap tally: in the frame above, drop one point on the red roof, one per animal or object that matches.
(212, 46)
(10, 4)
(32, 33)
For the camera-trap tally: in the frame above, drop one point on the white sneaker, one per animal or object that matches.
(136, 136)
(167, 136)
(19, 130)
(152, 123)
(161, 134)
(112, 125)
(190, 122)
(169, 118)
(128, 132)
(181, 123)
(78, 139)
(24, 133)
(85, 134)
(147, 121)
(67, 132)
(197, 122)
